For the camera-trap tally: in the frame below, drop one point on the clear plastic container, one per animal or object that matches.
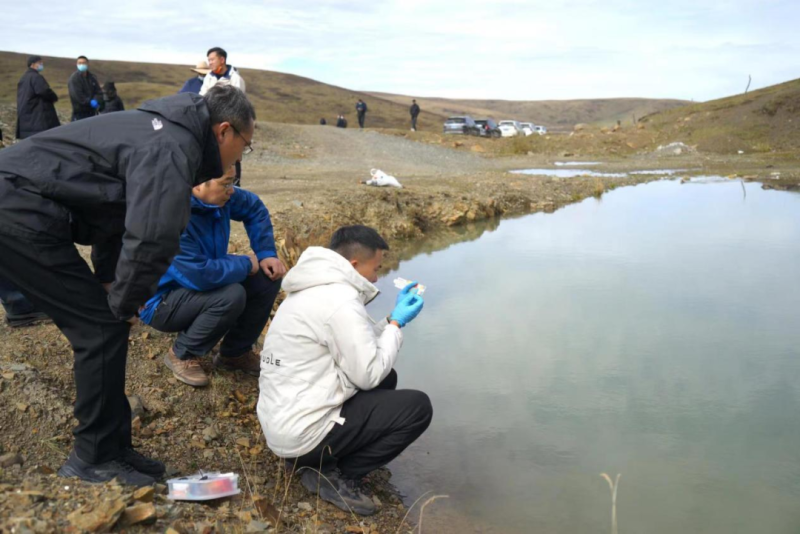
(203, 486)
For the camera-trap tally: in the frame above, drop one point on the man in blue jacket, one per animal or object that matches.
(208, 294)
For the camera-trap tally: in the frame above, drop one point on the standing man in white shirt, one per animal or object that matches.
(223, 74)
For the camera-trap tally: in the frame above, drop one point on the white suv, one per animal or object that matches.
(510, 128)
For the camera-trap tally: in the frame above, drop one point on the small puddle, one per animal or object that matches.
(568, 173)
(572, 173)
(577, 163)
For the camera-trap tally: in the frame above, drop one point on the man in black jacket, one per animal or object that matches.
(124, 178)
(84, 92)
(35, 101)
(361, 111)
(414, 111)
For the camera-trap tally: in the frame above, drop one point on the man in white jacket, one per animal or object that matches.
(220, 73)
(328, 394)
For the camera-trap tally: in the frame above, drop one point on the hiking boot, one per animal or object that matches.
(142, 463)
(187, 371)
(27, 319)
(96, 473)
(249, 362)
(344, 493)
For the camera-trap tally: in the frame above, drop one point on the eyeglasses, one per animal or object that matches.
(248, 145)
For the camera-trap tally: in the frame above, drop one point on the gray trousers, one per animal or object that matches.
(239, 312)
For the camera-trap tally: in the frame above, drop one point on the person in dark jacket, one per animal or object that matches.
(195, 83)
(341, 122)
(84, 92)
(36, 111)
(207, 293)
(19, 310)
(121, 182)
(112, 99)
(323, 122)
(361, 110)
(414, 111)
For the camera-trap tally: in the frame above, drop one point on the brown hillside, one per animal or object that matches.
(277, 97)
(765, 120)
(557, 115)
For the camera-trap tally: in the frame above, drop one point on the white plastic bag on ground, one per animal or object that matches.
(381, 179)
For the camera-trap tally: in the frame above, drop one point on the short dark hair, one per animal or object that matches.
(219, 51)
(82, 57)
(353, 241)
(34, 59)
(229, 104)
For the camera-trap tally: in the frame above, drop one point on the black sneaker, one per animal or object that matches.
(94, 473)
(27, 319)
(142, 463)
(344, 493)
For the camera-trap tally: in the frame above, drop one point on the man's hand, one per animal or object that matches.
(273, 268)
(253, 264)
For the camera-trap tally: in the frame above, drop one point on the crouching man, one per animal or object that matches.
(207, 293)
(327, 385)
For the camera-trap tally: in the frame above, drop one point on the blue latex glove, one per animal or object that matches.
(404, 292)
(407, 309)
(94, 103)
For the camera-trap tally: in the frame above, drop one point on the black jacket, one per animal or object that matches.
(126, 174)
(35, 110)
(113, 103)
(414, 110)
(82, 89)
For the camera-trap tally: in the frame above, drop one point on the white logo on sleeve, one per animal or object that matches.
(157, 124)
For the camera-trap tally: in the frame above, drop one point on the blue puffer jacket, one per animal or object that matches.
(203, 262)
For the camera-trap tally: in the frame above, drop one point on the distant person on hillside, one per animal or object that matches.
(36, 111)
(414, 111)
(221, 73)
(361, 110)
(341, 122)
(323, 122)
(84, 92)
(195, 83)
(112, 99)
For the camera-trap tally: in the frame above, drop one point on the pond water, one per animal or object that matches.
(653, 332)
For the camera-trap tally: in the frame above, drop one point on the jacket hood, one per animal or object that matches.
(190, 111)
(319, 266)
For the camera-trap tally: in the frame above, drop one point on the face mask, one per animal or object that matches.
(83, 68)
(40, 67)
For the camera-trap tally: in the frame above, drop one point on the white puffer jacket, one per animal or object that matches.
(231, 78)
(321, 348)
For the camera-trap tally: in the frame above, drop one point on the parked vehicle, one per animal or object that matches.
(527, 128)
(541, 130)
(510, 128)
(488, 128)
(461, 125)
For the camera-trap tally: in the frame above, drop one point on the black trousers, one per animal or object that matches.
(361, 116)
(13, 301)
(53, 276)
(379, 425)
(237, 311)
(413, 122)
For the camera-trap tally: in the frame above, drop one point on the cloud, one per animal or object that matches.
(510, 49)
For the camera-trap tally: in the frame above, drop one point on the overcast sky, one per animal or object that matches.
(505, 49)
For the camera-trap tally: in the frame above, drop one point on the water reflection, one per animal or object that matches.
(654, 335)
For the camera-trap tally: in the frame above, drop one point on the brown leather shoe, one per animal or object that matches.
(187, 371)
(249, 362)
